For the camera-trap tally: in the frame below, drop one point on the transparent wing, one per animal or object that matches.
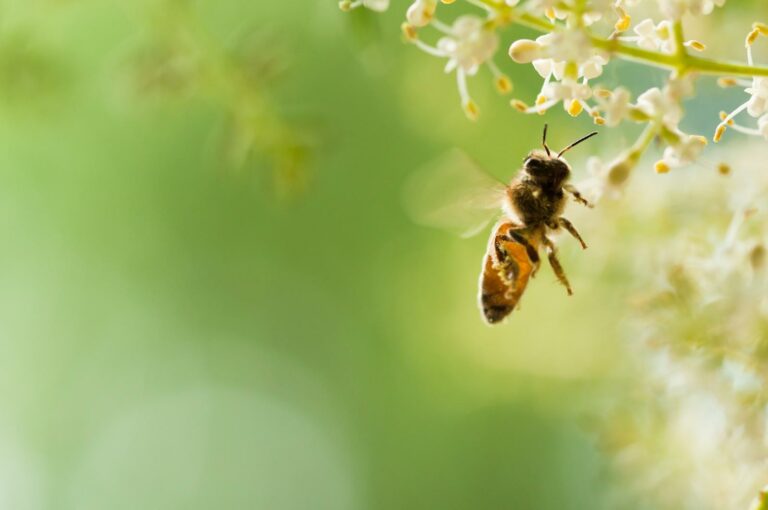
(453, 193)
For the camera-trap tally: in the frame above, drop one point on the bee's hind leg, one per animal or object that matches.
(555, 263)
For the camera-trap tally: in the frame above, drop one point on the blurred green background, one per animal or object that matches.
(185, 328)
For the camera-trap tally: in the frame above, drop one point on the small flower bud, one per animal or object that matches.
(727, 81)
(620, 169)
(421, 12)
(524, 51)
(345, 5)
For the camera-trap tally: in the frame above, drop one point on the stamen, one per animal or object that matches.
(442, 27)
(503, 83)
(428, 49)
(747, 131)
(470, 107)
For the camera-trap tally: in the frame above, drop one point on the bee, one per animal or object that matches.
(531, 204)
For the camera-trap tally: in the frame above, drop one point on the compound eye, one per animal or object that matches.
(533, 165)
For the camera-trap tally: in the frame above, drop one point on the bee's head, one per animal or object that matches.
(548, 170)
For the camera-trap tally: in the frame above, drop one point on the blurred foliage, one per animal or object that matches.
(174, 337)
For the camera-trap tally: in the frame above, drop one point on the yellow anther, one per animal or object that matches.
(409, 31)
(603, 93)
(503, 84)
(518, 105)
(727, 81)
(724, 116)
(471, 109)
(661, 167)
(575, 108)
(622, 25)
(760, 27)
(599, 120)
(723, 168)
(696, 45)
(752, 37)
(550, 13)
(719, 133)
(663, 32)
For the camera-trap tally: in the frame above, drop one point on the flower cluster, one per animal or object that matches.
(694, 433)
(579, 39)
(757, 88)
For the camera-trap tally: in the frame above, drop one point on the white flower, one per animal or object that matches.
(512, 3)
(614, 105)
(469, 44)
(756, 105)
(762, 126)
(685, 151)
(592, 67)
(567, 89)
(562, 9)
(758, 101)
(677, 8)
(653, 37)
(566, 46)
(660, 106)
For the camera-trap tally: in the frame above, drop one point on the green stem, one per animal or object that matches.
(682, 61)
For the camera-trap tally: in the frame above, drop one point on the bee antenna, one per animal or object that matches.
(577, 142)
(544, 141)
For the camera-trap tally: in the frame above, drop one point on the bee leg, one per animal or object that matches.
(567, 225)
(577, 196)
(517, 237)
(555, 263)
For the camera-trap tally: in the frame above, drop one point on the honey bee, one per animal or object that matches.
(531, 205)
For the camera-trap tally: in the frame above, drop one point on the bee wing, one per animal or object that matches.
(453, 193)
